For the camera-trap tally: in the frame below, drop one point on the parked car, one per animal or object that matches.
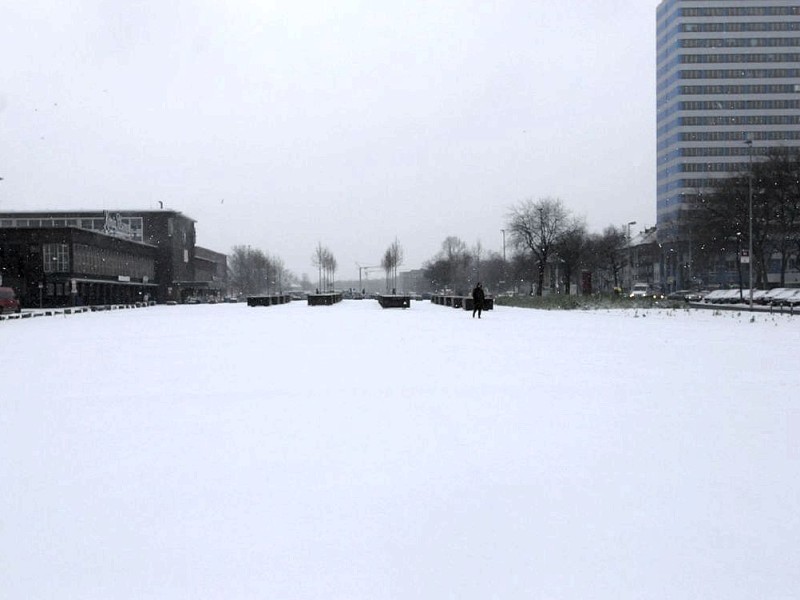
(8, 301)
(643, 290)
(686, 295)
(733, 296)
(793, 300)
(767, 297)
(786, 297)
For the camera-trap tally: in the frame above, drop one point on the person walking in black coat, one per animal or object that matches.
(478, 296)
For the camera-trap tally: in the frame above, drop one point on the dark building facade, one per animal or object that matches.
(210, 280)
(97, 257)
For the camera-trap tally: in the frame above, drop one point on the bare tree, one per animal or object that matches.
(604, 251)
(476, 256)
(329, 267)
(719, 219)
(448, 269)
(536, 227)
(326, 265)
(777, 185)
(392, 258)
(571, 250)
(318, 260)
(252, 271)
(386, 263)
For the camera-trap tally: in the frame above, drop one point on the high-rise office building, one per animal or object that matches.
(728, 72)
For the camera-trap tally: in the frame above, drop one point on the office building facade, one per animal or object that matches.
(728, 71)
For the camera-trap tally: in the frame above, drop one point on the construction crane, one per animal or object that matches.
(365, 270)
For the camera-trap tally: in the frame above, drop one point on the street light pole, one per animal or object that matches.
(749, 143)
(630, 253)
(504, 257)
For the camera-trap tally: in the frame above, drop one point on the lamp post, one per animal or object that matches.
(749, 143)
(504, 257)
(630, 252)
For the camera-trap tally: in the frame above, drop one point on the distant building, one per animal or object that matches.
(413, 282)
(643, 260)
(60, 258)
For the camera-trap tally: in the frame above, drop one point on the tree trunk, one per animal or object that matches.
(540, 278)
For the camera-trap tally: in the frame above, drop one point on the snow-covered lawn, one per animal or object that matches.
(350, 452)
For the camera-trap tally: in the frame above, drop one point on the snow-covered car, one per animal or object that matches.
(724, 296)
(793, 300)
(785, 297)
(769, 295)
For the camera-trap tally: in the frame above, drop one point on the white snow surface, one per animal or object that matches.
(350, 452)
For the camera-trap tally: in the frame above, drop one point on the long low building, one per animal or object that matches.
(102, 257)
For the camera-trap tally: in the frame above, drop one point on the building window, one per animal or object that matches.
(55, 258)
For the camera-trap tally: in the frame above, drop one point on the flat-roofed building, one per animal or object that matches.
(728, 84)
(101, 256)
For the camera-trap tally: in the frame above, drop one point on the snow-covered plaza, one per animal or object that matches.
(350, 452)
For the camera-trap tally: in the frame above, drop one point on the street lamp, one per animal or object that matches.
(749, 143)
(630, 252)
(504, 257)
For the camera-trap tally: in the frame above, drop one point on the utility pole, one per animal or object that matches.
(749, 143)
(630, 253)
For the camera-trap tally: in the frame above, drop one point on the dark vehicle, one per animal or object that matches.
(686, 295)
(8, 301)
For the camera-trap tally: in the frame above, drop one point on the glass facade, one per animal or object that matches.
(727, 72)
(55, 258)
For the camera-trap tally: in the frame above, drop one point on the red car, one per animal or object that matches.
(8, 301)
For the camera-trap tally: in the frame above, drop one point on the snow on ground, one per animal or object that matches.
(350, 452)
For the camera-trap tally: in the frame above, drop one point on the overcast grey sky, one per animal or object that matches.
(279, 124)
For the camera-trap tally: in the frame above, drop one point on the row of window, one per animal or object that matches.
(672, 11)
(95, 261)
(713, 151)
(665, 36)
(775, 137)
(738, 120)
(707, 90)
(670, 29)
(741, 11)
(90, 260)
(669, 49)
(705, 167)
(55, 258)
(728, 74)
(134, 225)
(766, 42)
(729, 121)
(57, 289)
(749, 58)
(671, 59)
(707, 105)
(690, 183)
